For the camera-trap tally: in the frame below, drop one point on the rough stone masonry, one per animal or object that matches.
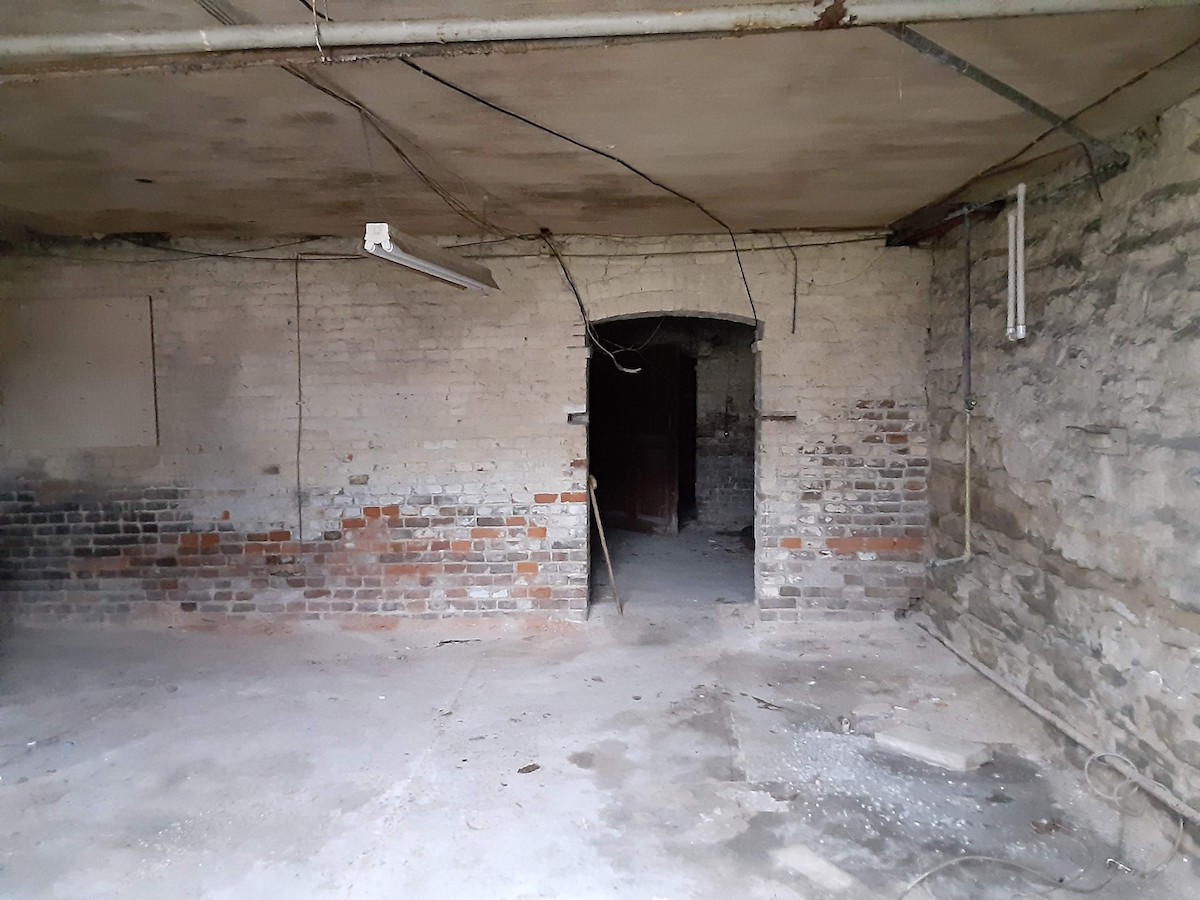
(349, 440)
(1085, 588)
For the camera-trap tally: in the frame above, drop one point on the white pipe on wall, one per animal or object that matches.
(1019, 334)
(1011, 329)
(1015, 330)
(450, 33)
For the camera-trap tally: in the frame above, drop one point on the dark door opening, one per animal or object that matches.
(672, 424)
(671, 444)
(642, 448)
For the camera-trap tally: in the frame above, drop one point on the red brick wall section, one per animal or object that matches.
(142, 555)
(846, 528)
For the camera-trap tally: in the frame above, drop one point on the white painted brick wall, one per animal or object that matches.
(425, 389)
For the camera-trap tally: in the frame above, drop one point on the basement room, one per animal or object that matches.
(600, 450)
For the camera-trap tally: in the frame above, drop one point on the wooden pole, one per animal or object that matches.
(604, 544)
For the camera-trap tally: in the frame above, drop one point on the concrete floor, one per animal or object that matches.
(680, 751)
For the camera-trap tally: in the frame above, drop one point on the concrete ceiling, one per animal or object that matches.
(836, 129)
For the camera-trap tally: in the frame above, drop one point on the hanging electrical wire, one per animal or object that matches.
(612, 157)
(226, 17)
(201, 254)
(381, 128)
(646, 343)
(548, 239)
(312, 7)
(184, 255)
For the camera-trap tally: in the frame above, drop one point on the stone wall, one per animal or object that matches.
(1085, 588)
(347, 439)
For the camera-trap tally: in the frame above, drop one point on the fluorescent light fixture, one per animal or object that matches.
(385, 242)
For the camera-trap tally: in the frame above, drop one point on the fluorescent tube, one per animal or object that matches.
(429, 259)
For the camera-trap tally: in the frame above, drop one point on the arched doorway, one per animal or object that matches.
(672, 435)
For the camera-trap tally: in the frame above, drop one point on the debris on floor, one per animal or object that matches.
(732, 777)
(942, 750)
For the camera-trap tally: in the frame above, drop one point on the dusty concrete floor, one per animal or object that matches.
(680, 751)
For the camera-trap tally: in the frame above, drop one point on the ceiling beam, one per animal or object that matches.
(30, 55)
(1105, 152)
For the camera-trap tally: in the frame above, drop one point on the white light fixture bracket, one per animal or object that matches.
(425, 257)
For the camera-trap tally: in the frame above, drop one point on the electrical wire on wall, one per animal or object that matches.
(548, 238)
(795, 275)
(299, 412)
(201, 254)
(154, 370)
(183, 255)
(690, 251)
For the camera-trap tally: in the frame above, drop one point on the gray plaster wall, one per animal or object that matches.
(1085, 588)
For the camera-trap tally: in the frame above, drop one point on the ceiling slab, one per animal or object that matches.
(81, 16)
(844, 129)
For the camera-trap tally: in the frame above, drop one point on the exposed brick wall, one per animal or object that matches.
(851, 508)
(830, 466)
(141, 553)
(426, 431)
(1084, 590)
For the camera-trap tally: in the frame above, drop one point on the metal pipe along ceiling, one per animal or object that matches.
(729, 20)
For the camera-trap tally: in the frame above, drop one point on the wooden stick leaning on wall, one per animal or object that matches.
(604, 543)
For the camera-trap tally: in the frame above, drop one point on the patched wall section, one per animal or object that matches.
(1085, 590)
(347, 439)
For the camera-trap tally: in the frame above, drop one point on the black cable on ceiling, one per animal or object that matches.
(226, 16)
(858, 239)
(612, 157)
(380, 128)
(201, 254)
(312, 8)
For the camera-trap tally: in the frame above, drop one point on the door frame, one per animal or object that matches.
(759, 326)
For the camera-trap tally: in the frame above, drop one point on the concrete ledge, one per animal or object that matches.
(935, 749)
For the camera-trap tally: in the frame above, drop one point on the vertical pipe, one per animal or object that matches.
(968, 394)
(299, 412)
(967, 551)
(154, 371)
(1011, 331)
(1020, 330)
(967, 402)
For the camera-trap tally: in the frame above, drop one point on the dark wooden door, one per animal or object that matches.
(634, 427)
